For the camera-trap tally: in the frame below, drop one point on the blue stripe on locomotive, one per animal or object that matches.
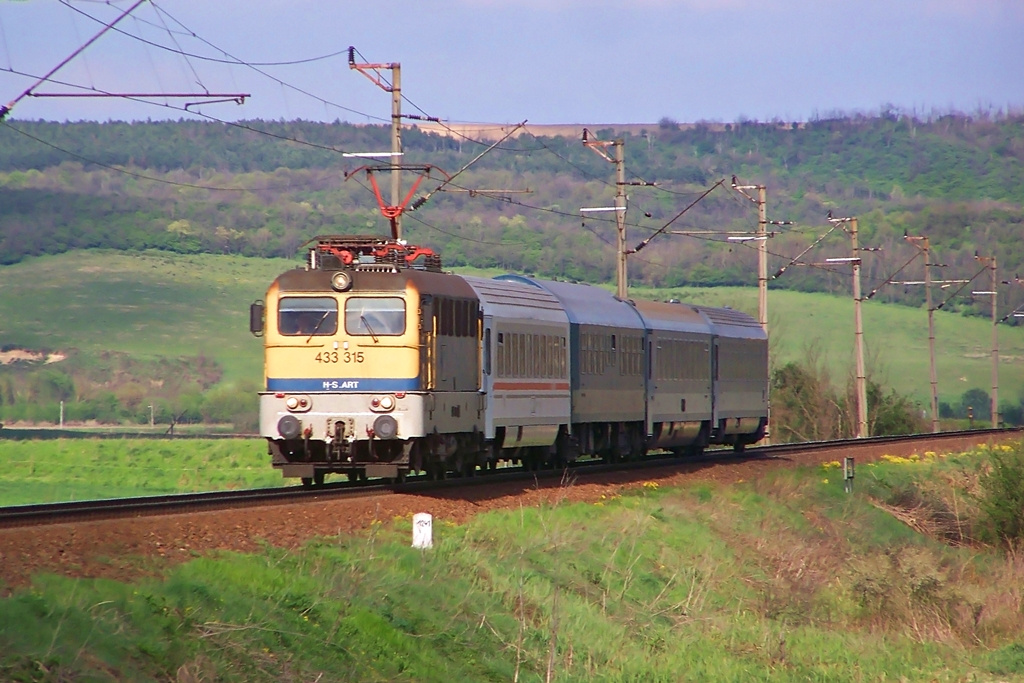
(307, 384)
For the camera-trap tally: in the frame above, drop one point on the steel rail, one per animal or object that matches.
(63, 512)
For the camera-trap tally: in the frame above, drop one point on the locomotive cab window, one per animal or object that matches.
(375, 316)
(307, 315)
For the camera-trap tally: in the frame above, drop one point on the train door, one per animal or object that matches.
(427, 337)
(649, 385)
(715, 390)
(488, 370)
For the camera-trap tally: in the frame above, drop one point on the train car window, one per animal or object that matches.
(585, 353)
(520, 355)
(557, 357)
(449, 317)
(375, 316)
(514, 351)
(513, 355)
(592, 353)
(487, 351)
(502, 356)
(588, 354)
(307, 315)
(638, 356)
(545, 355)
(549, 355)
(541, 353)
(531, 355)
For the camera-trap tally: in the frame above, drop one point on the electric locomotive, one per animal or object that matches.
(370, 352)
(377, 363)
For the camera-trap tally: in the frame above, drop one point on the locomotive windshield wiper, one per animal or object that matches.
(368, 328)
(318, 324)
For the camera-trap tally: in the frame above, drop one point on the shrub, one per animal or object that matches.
(1002, 500)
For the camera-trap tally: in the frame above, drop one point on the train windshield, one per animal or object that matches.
(375, 316)
(308, 315)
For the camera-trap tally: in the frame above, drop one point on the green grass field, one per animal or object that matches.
(786, 578)
(157, 304)
(59, 470)
(148, 305)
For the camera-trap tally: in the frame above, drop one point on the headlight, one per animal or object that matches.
(385, 427)
(289, 427)
(298, 404)
(341, 281)
(382, 404)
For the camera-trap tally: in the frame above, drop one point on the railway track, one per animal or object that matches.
(57, 513)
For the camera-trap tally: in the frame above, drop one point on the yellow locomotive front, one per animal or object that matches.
(347, 360)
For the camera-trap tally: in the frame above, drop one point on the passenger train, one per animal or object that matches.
(378, 363)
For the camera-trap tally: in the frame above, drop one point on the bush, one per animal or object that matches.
(1002, 500)
(237, 405)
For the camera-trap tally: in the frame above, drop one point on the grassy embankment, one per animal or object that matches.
(156, 304)
(786, 579)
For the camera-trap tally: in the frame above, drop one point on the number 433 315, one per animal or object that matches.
(339, 357)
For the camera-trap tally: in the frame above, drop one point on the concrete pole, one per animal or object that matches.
(762, 273)
(396, 144)
(622, 283)
(932, 375)
(995, 347)
(862, 394)
(762, 257)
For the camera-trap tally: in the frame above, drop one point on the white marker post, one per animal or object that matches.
(422, 530)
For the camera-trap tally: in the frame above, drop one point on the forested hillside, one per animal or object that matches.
(263, 188)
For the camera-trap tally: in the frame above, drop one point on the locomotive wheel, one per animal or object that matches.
(307, 482)
(437, 471)
(318, 477)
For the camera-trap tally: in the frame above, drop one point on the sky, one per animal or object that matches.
(503, 61)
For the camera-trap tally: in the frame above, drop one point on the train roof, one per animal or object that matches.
(376, 278)
(516, 300)
(728, 322)
(585, 304)
(658, 315)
